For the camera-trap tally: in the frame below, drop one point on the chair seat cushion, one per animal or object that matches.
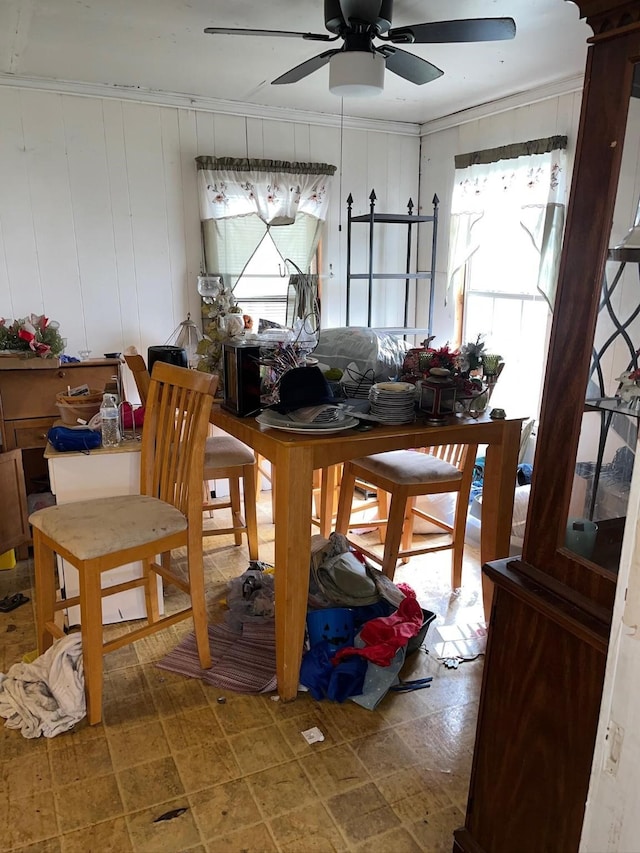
(222, 451)
(102, 526)
(408, 466)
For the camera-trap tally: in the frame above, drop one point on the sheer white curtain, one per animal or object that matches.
(241, 200)
(525, 181)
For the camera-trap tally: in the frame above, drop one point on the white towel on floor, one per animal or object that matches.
(45, 697)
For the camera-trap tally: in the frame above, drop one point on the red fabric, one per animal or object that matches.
(386, 634)
(131, 416)
(406, 589)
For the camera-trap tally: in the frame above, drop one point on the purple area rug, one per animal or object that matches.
(244, 659)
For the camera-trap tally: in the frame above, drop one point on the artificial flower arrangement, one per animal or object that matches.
(35, 333)
(629, 389)
(471, 359)
(425, 361)
(222, 320)
(470, 368)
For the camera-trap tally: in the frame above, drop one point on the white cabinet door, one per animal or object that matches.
(101, 474)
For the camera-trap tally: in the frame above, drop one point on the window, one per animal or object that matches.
(503, 304)
(256, 214)
(507, 217)
(261, 291)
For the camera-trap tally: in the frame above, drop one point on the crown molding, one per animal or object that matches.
(214, 105)
(501, 105)
(224, 107)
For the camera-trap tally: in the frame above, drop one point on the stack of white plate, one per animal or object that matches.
(393, 402)
(357, 390)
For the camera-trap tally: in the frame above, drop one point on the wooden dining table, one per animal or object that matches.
(296, 456)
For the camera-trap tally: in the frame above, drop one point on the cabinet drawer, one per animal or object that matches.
(32, 393)
(30, 433)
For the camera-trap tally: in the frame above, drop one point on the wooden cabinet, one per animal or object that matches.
(14, 524)
(28, 404)
(103, 473)
(551, 616)
(538, 714)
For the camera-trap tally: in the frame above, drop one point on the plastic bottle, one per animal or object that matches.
(110, 421)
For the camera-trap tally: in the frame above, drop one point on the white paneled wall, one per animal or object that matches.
(99, 218)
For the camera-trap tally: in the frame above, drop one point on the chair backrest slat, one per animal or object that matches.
(137, 366)
(173, 436)
(454, 454)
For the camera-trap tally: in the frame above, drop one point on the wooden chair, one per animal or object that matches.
(267, 470)
(225, 458)
(104, 533)
(404, 475)
(138, 367)
(326, 485)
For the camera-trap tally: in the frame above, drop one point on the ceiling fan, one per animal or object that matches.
(357, 68)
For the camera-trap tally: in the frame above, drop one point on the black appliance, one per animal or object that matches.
(242, 378)
(168, 354)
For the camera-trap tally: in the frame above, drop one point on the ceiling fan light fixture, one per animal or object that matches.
(356, 74)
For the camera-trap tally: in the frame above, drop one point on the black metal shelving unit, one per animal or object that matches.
(408, 219)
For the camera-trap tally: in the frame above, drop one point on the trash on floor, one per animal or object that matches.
(10, 602)
(170, 815)
(410, 686)
(313, 735)
(462, 641)
(8, 559)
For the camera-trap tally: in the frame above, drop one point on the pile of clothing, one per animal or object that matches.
(385, 617)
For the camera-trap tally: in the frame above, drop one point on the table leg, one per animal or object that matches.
(292, 558)
(498, 492)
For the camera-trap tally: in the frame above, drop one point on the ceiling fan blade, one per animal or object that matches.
(305, 68)
(231, 31)
(448, 32)
(412, 68)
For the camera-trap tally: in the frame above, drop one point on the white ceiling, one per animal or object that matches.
(159, 45)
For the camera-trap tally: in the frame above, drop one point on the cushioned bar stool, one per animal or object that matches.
(326, 483)
(266, 470)
(225, 458)
(104, 533)
(405, 475)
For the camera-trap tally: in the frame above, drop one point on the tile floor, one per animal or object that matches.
(241, 775)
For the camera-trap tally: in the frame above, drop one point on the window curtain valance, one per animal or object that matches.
(530, 179)
(274, 190)
(511, 152)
